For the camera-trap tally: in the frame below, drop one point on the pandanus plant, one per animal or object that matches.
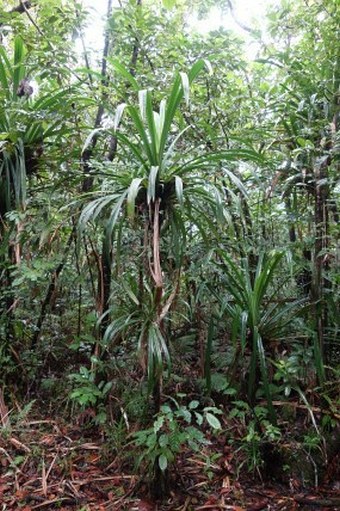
(162, 185)
(156, 186)
(257, 318)
(26, 122)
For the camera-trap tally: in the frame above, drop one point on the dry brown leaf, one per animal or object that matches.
(146, 505)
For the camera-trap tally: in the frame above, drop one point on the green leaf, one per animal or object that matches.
(132, 195)
(199, 418)
(124, 73)
(138, 123)
(162, 462)
(142, 100)
(186, 87)
(131, 294)
(152, 184)
(3, 74)
(208, 66)
(213, 421)
(163, 440)
(19, 68)
(118, 115)
(179, 189)
(169, 4)
(158, 424)
(90, 137)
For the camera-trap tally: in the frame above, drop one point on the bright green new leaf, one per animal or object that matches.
(169, 4)
(213, 421)
(118, 116)
(163, 462)
(131, 198)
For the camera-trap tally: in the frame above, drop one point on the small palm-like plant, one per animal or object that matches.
(25, 123)
(256, 318)
(162, 187)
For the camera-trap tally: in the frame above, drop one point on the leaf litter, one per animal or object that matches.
(46, 465)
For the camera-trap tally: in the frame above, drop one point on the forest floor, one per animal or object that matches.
(47, 465)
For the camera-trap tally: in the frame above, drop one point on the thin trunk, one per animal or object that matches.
(291, 223)
(88, 153)
(321, 242)
(50, 291)
(249, 235)
(201, 337)
(7, 297)
(304, 277)
(104, 270)
(104, 279)
(80, 288)
(156, 273)
(156, 267)
(136, 50)
(105, 284)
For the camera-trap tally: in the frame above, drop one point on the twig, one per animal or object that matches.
(44, 479)
(315, 409)
(135, 51)
(65, 500)
(19, 445)
(4, 413)
(215, 506)
(26, 11)
(51, 466)
(186, 504)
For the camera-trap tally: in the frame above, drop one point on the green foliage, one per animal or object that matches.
(160, 186)
(221, 385)
(169, 4)
(256, 320)
(88, 393)
(259, 430)
(199, 165)
(25, 124)
(174, 429)
(295, 368)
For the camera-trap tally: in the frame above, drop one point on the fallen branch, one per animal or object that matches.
(309, 500)
(315, 409)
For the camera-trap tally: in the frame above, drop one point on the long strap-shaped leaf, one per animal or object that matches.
(152, 129)
(216, 157)
(143, 134)
(19, 68)
(132, 195)
(4, 65)
(135, 149)
(176, 95)
(124, 73)
(264, 274)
